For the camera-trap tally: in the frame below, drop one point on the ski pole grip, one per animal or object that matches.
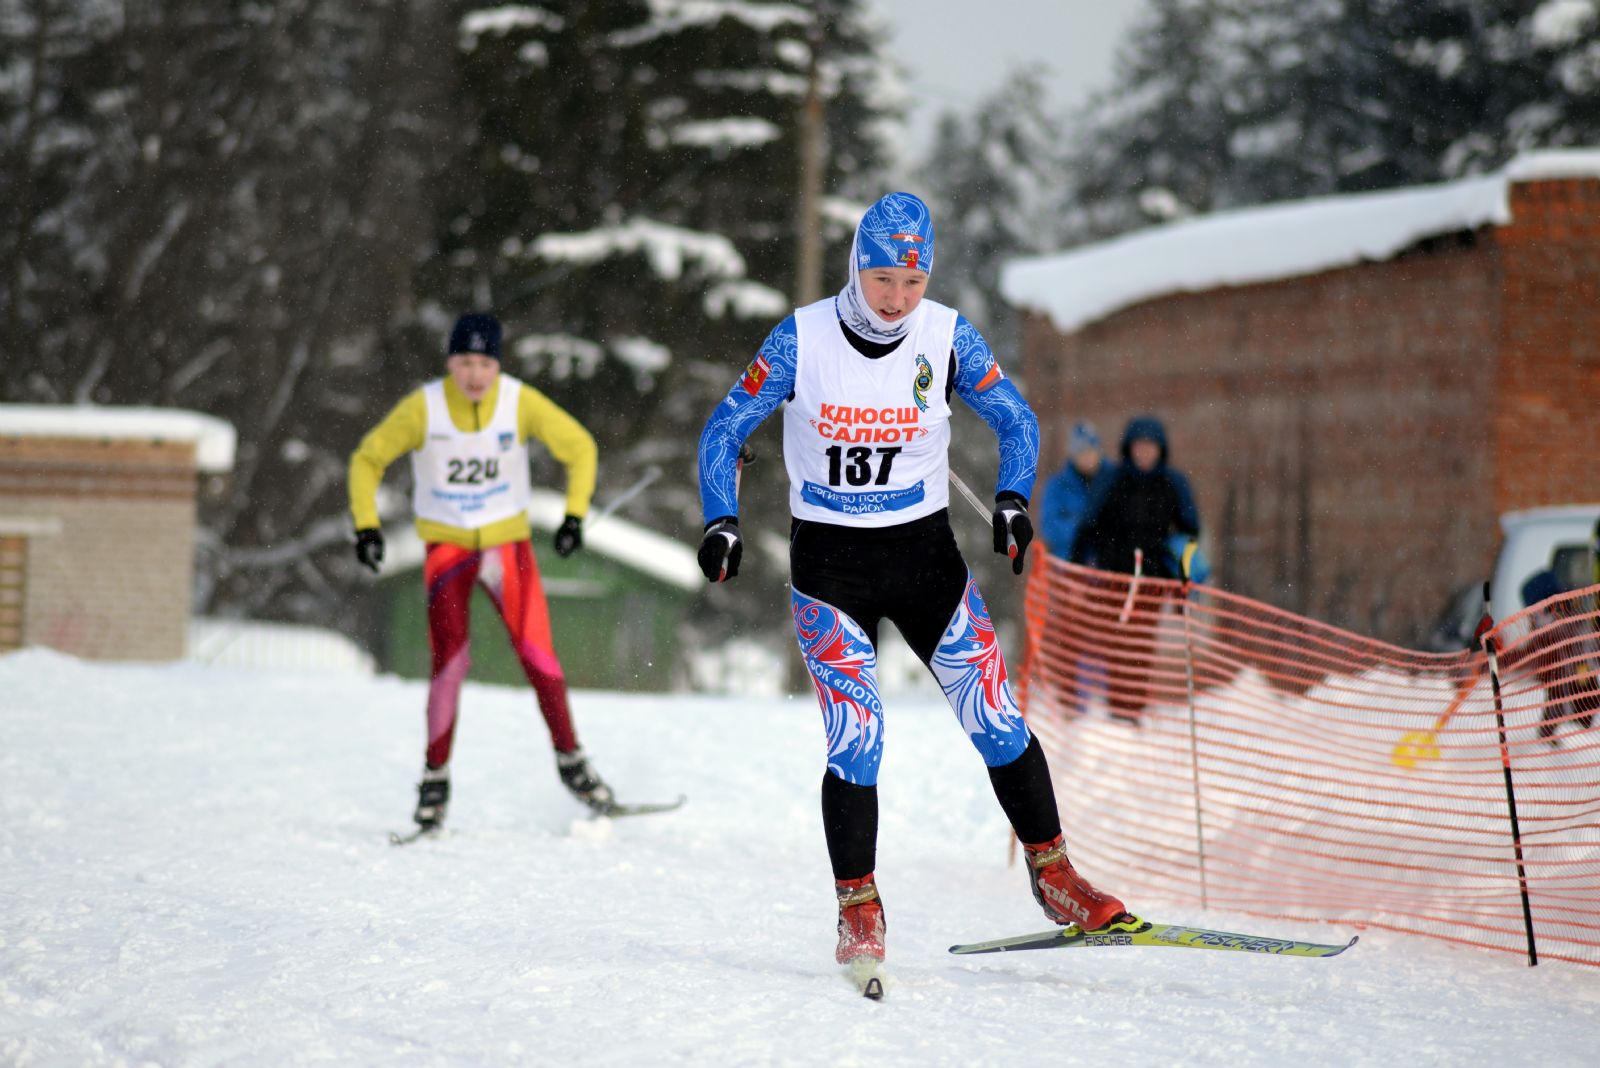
(1480, 633)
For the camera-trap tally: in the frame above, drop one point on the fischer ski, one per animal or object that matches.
(1133, 931)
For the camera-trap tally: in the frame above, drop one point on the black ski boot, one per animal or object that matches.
(578, 776)
(433, 798)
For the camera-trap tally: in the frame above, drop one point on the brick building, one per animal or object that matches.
(1358, 386)
(97, 526)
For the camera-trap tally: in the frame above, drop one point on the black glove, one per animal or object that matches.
(369, 547)
(720, 549)
(569, 536)
(1013, 530)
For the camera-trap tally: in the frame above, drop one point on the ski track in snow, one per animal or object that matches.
(196, 871)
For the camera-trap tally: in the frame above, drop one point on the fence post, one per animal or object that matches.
(1194, 743)
(1491, 646)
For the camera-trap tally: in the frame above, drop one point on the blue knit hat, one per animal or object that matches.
(1084, 436)
(477, 333)
(1541, 586)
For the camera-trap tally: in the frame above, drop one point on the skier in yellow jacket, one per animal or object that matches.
(467, 435)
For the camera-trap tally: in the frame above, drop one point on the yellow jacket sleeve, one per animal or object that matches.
(403, 430)
(542, 419)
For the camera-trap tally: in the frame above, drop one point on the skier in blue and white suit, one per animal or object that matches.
(867, 376)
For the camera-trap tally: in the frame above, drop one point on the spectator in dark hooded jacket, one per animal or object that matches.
(1142, 507)
(1145, 507)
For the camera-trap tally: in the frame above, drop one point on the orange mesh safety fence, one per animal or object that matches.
(1210, 749)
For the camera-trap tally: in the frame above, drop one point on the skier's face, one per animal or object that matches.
(1144, 453)
(893, 292)
(473, 374)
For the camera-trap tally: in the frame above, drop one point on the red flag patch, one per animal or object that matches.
(755, 375)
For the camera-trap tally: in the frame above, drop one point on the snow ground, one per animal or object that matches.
(195, 871)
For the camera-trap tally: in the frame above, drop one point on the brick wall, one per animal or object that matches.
(13, 562)
(1341, 429)
(1547, 423)
(109, 567)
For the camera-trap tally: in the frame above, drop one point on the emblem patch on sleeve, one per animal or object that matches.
(755, 375)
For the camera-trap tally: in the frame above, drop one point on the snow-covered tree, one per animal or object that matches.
(625, 198)
(995, 179)
(1223, 103)
(214, 204)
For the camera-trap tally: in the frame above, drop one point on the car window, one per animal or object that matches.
(1573, 565)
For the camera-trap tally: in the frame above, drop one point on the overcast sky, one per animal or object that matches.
(955, 52)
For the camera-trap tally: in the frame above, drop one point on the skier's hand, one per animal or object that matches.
(1013, 530)
(569, 536)
(369, 548)
(720, 549)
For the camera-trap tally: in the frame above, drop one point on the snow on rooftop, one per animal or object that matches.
(1270, 243)
(640, 548)
(213, 438)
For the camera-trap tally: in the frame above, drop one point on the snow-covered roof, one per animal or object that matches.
(213, 438)
(1270, 243)
(611, 536)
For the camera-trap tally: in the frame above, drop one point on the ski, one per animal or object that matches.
(618, 809)
(1136, 932)
(867, 975)
(398, 839)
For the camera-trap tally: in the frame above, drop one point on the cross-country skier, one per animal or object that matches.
(467, 434)
(867, 376)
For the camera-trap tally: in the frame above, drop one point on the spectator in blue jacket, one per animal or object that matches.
(1066, 496)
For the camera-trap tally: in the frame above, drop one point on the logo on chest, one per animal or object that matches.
(922, 383)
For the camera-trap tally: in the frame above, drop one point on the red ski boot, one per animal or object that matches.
(1066, 897)
(860, 920)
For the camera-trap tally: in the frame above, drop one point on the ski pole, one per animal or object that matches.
(1133, 585)
(650, 475)
(1194, 734)
(966, 491)
(972, 499)
(1491, 646)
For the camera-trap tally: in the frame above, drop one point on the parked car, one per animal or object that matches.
(1560, 538)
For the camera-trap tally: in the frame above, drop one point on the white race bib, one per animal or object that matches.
(866, 442)
(471, 479)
